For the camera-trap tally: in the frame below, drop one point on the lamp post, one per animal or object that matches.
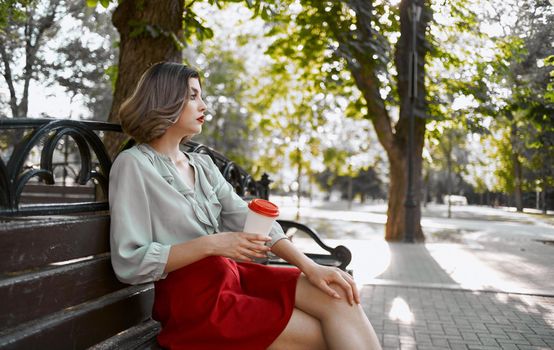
(410, 203)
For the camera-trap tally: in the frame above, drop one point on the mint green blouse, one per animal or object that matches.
(151, 208)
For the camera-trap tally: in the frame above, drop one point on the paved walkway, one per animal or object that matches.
(483, 280)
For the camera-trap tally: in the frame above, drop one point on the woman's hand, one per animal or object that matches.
(323, 276)
(239, 245)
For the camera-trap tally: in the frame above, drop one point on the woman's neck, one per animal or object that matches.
(168, 147)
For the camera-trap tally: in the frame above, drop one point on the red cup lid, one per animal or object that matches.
(263, 207)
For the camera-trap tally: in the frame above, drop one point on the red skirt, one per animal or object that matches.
(217, 303)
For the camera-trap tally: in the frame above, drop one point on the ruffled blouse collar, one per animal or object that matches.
(167, 169)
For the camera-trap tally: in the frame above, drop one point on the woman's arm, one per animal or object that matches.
(234, 208)
(318, 275)
(234, 245)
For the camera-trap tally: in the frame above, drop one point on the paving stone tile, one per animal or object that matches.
(452, 331)
(513, 341)
(422, 338)
(469, 335)
(391, 340)
(404, 330)
(536, 341)
(458, 346)
(440, 342)
(407, 339)
(543, 331)
(464, 341)
(478, 326)
(487, 340)
(516, 336)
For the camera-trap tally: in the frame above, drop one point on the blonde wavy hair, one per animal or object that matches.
(157, 102)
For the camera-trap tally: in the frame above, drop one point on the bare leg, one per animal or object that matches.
(303, 332)
(344, 326)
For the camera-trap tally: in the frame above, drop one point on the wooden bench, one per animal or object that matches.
(57, 286)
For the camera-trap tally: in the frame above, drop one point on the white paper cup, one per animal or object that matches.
(261, 215)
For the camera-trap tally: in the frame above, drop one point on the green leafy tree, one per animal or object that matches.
(153, 31)
(449, 152)
(359, 44)
(518, 93)
(31, 34)
(26, 27)
(224, 83)
(290, 114)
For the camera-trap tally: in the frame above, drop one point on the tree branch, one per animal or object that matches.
(9, 80)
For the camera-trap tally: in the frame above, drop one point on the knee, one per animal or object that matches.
(319, 303)
(341, 292)
(337, 306)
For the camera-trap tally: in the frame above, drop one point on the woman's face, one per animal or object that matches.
(191, 119)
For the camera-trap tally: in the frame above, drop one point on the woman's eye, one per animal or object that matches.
(193, 96)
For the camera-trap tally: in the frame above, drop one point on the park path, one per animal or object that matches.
(483, 280)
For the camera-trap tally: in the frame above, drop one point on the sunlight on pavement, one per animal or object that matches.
(370, 258)
(400, 311)
(468, 270)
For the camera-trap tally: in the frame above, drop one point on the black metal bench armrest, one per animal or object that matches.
(339, 256)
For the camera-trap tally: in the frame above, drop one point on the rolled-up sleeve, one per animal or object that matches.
(234, 208)
(135, 257)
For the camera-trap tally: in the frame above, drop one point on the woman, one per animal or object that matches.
(177, 222)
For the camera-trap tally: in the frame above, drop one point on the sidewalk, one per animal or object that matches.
(483, 280)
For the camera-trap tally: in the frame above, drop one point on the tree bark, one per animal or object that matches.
(148, 30)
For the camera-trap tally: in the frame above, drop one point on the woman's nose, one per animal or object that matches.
(203, 106)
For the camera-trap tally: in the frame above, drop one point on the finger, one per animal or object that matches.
(352, 283)
(257, 253)
(244, 257)
(256, 238)
(325, 287)
(354, 290)
(259, 237)
(343, 283)
(252, 253)
(257, 246)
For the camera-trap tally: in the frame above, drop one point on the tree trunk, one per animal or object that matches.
(544, 192)
(518, 191)
(449, 179)
(350, 190)
(298, 181)
(402, 63)
(394, 141)
(396, 211)
(518, 183)
(147, 30)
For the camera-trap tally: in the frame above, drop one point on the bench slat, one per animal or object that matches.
(59, 189)
(142, 336)
(29, 199)
(28, 246)
(85, 325)
(54, 289)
